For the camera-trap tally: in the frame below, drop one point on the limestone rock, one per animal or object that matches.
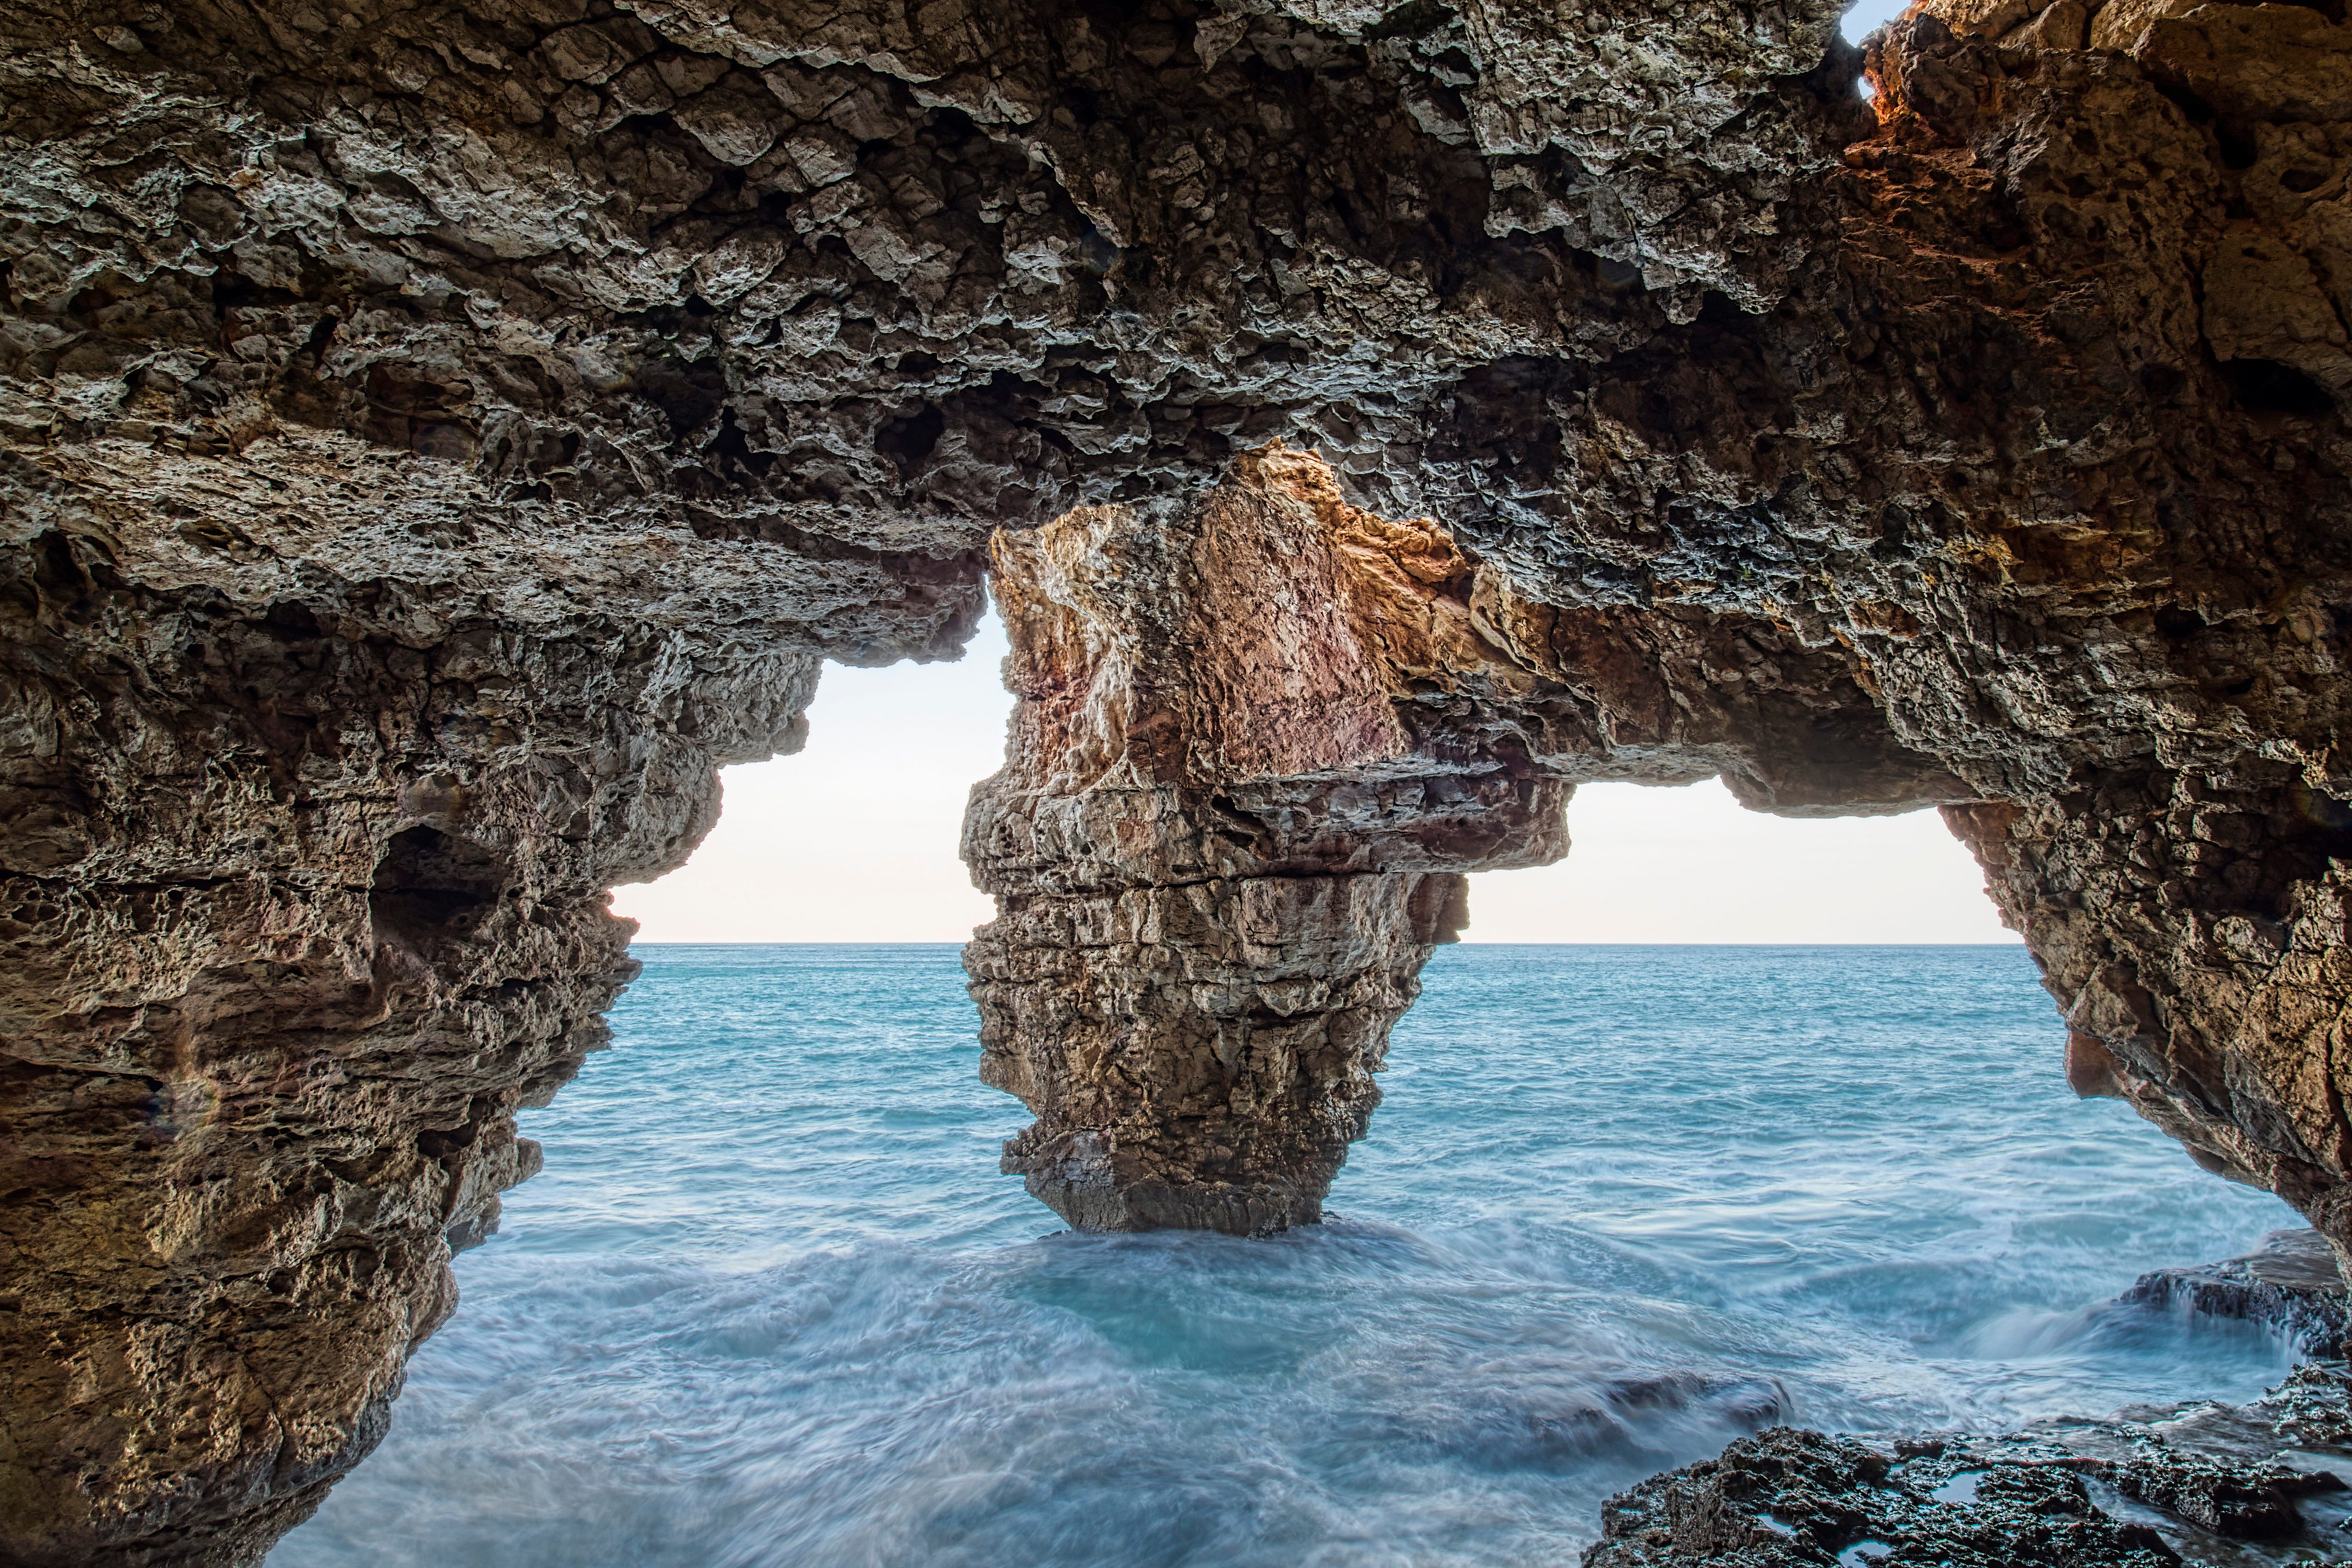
(433, 437)
(2214, 1484)
(1252, 752)
(1259, 736)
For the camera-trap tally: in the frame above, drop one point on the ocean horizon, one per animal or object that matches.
(770, 1302)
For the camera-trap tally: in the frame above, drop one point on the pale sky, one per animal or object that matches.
(854, 839)
(1871, 14)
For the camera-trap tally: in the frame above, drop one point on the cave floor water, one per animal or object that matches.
(771, 1304)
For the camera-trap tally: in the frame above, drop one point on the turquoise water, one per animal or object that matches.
(771, 1304)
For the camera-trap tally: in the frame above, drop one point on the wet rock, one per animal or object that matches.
(2312, 1409)
(2247, 1501)
(2290, 1282)
(1789, 1497)
(2234, 1487)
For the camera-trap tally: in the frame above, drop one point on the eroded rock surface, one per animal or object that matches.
(2007, 504)
(432, 437)
(2248, 1486)
(304, 897)
(1253, 754)
(2289, 1283)
(1260, 737)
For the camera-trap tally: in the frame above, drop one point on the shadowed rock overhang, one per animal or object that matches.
(434, 438)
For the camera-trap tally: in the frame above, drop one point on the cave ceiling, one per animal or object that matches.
(435, 438)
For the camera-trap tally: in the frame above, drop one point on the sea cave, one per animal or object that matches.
(439, 435)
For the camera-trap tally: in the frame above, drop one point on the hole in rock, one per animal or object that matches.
(1692, 865)
(2236, 140)
(432, 887)
(1864, 19)
(687, 392)
(1867, 17)
(2267, 386)
(908, 439)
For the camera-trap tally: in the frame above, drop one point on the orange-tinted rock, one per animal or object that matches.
(1257, 740)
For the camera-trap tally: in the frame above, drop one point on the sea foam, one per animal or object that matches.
(771, 1304)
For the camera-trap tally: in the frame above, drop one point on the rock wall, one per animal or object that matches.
(434, 437)
(304, 898)
(2025, 498)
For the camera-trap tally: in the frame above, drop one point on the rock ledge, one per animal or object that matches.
(2232, 1486)
(2288, 1282)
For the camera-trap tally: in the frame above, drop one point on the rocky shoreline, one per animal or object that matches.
(2248, 1485)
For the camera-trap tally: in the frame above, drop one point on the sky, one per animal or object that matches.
(1871, 14)
(854, 839)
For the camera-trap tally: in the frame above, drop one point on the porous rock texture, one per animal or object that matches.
(435, 434)
(2290, 1284)
(1256, 748)
(1260, 737)
(2251, 1486)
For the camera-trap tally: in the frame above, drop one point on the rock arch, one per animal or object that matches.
(1260, 738)
(438, 435)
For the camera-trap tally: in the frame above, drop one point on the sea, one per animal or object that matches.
(771, 1303)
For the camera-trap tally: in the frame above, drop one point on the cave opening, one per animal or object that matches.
(1625, 1200)
(464, 429)
(1689, 864)
(853, 838)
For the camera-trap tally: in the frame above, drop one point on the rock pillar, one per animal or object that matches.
(1259, 739)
